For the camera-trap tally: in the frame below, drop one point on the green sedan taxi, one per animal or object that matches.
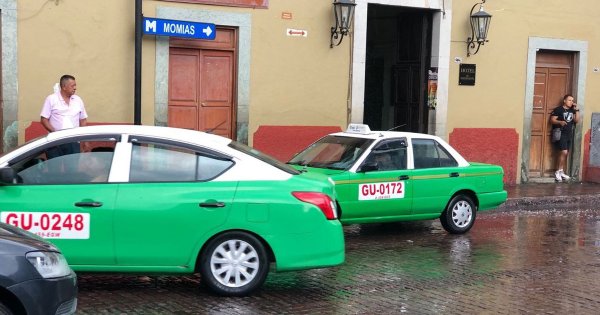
(386, 176)
(159, 200)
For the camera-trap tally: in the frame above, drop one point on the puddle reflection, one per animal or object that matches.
(515, 257)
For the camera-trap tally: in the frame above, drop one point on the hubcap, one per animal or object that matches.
(234, 263)
(462, 214)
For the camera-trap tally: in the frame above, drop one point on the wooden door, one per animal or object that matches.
(553, 79)
(202, 84)
(407, 85)
(410, 72)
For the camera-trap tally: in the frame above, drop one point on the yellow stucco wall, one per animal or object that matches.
(499, 99)
(501, 63)
(297, 80)
(91, 40)
(293, 80)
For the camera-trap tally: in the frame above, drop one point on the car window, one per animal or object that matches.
(261, 156)
(389, 155)
(428, 153)
(332, 152)
(157, 162)
(74, 162)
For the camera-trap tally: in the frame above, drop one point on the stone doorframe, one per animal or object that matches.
(161, 93)
(440, 56)
(9, 79)
(580, 48)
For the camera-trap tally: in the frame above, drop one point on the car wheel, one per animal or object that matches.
(459, 216)
(4, 310)
(234, 264)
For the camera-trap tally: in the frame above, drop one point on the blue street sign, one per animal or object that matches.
(161, 27)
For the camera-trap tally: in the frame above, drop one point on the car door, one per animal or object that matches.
(170, 202)
(381, 187)
(436, 174)
(66, 199)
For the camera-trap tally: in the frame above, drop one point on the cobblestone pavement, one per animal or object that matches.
(528, 262)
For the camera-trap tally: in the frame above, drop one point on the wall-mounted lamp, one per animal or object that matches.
(344, 11)
(480, 23)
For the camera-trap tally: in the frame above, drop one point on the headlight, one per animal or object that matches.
(49, 264)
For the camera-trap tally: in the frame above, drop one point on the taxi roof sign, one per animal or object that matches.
(358, 128)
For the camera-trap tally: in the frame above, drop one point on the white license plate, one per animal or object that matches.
(376, 191)
(51, 224)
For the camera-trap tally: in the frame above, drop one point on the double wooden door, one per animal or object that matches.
(553, 79)
(202, 84)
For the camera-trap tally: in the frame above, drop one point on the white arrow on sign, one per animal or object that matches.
(207, 31)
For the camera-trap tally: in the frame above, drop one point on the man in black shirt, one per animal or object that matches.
(564, 117)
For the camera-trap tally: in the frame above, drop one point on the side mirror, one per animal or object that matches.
(368, 167)
(8, 176)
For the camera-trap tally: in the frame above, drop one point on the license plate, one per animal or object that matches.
(51, 224)
(376, 191)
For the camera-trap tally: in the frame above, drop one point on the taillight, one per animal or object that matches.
(320, 200)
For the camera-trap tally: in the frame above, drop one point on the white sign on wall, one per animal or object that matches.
(297, 33)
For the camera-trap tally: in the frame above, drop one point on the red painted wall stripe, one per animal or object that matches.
(489, 145)
(282, 142)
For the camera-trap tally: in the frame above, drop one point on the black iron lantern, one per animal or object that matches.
(480, 24)
(344, 12)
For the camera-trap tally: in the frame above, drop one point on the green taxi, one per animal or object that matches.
(386, 176)
(159, 200)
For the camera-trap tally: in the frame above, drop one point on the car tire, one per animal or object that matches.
(4, 310)
(459, 216)
(234, 264)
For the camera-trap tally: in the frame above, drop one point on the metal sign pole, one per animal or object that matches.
(137, 95)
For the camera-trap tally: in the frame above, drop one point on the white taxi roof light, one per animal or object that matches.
(358, 128)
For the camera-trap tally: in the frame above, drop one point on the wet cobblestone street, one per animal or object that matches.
(510, 262)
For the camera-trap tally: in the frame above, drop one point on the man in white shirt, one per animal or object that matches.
(64, 110)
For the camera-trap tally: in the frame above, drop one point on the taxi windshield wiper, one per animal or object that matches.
(301, 163)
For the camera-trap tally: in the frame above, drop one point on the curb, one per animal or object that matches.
(550, 202)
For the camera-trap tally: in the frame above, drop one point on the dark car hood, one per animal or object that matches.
(14, 240)
(324, 171)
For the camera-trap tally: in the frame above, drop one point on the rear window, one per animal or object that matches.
(263, 157)
(162, 162)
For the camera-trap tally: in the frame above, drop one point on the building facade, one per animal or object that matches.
(271, 79)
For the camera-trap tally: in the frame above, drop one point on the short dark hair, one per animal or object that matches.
(566, 96)
(65, 78)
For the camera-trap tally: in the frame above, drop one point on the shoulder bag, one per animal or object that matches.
(556, 133)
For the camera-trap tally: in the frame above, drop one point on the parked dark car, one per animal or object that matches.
(34, 276)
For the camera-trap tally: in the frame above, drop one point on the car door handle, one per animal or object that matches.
(403, 177)
(215, 204)
(454, 174)
(93, 204)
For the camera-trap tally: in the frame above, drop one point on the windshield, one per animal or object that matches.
(263, 157)
(333, 152)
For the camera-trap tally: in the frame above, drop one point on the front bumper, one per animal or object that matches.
(48, 296)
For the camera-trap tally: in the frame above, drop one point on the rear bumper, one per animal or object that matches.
(492, 200)
(48, 296)
(324, 247)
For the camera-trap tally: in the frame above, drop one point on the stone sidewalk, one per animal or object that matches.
(549, 196)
